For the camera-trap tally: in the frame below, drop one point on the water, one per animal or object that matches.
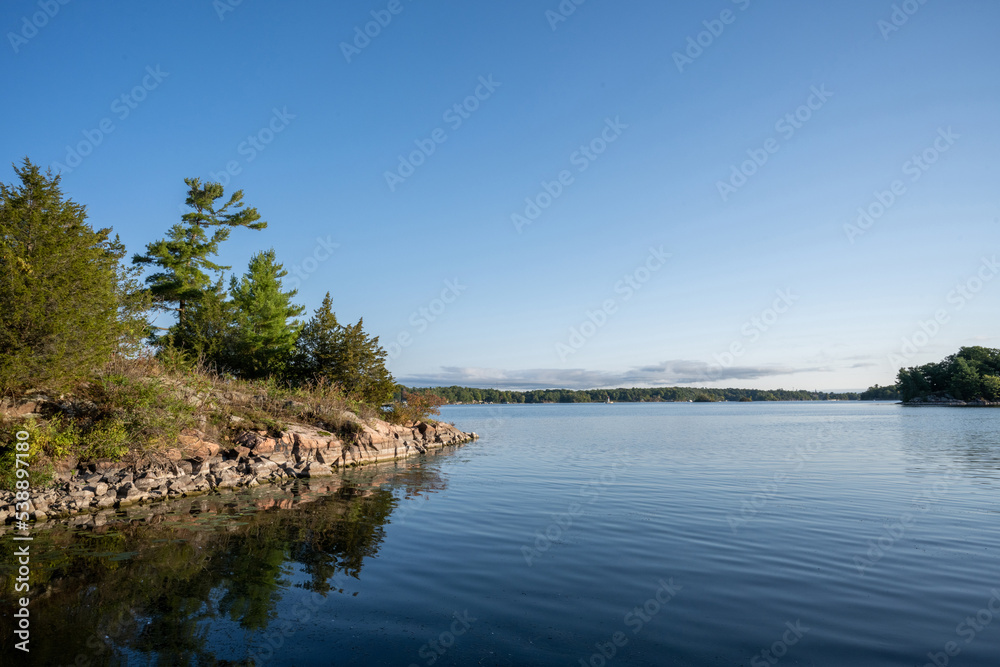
(656, 534)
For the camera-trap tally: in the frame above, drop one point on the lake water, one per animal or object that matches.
(629, 534)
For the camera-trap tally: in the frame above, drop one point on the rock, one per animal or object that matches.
(107, 500)
(315, 469)
(218, 466)
(129, 492)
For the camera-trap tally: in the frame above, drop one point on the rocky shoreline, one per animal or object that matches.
(197, 465)
(948, 402)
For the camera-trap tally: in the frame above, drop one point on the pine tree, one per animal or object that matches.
(184, 256)
(965, 383)
(68, 304)
(316, 347)
(345, 355)
(208, 332)
(265, 339)
(360, 366)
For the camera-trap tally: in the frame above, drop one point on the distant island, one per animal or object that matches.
(463, 395)
(970, 377)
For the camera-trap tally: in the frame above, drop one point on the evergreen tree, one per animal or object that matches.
(316, 347)
(184, 256)
(68, 304)
(209, 330)
(347, 356)
(359, 366)
(265, 339)
(965, 384)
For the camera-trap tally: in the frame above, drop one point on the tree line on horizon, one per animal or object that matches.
(70, 303)
(456, 394)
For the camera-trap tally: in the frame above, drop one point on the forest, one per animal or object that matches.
(971, 374)
(634, 395)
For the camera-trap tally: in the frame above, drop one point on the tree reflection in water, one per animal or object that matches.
(149, 587)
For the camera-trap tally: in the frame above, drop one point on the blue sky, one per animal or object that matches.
(622, 123)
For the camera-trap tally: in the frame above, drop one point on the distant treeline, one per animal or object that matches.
(635, 395)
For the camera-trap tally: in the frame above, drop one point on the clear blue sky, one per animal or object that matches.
(201, 78)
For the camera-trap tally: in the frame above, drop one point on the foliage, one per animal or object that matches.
(263, 338)
(68, 304)
(342, 355)
(456, 394)
(414, 407)
(47, 440)
(966, 375)
(184, 256)
(991, 387)
(877, 393)
(206, 333)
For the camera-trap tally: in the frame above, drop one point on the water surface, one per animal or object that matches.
(691, 534)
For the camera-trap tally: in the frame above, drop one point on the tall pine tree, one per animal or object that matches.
(183, 258)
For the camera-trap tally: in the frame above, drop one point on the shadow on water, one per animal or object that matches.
(154, 584)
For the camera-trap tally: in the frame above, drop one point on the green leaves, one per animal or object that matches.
(184, 256)
(264, 337)
(68, 304)
(344, 355)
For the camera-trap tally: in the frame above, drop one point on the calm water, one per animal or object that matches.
(658, 534)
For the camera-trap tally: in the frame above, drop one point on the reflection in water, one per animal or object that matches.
(152, 586)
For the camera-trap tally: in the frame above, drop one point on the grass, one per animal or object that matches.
(135, 408)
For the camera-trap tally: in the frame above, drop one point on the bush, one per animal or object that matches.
(47, 440)
(68, 304)
(414, 408)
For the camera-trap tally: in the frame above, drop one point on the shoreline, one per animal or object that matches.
(198, 466)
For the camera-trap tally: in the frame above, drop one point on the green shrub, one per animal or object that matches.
(109, 439)
(47, 440)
